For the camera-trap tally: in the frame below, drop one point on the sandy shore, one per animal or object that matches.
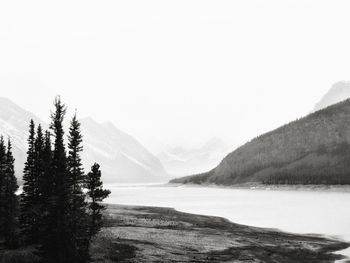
(149, 234)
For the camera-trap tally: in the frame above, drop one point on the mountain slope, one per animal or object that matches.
(179, 161)
(340, 91)
(122, 158)
(14, 123)
(312, 150)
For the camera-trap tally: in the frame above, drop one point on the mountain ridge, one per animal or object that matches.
(123, 158)
(308, 150)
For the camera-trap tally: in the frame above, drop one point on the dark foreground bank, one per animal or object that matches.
(148, 234)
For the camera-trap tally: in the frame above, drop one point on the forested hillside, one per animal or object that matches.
(311, 150)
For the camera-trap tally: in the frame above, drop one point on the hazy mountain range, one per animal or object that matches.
(312, 150)
(122, 158)
(184, 160)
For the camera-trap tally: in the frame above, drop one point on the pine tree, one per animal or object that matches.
(55, 214)
(57, 246)
(11, 201)
(41, 185)
(78, 208)
(29, 197)
(46, 180)
(2, 186)
(96, 195)
(45, 186)
(47, 155)
(39, 163)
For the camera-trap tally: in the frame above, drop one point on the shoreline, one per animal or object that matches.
(153, 234)
(256, 186)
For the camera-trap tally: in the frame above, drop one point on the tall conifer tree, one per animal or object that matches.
(39, 162)
(46, 186)
(46, 180)
(29, 197)
(47, 154)
(47, 183)
(11, 201)
(41, 186)
(2, 185)
(57, 247)
(78, 208)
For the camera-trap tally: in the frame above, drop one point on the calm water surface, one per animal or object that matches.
(320, 212)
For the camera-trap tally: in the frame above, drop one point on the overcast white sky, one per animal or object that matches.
(175, 71)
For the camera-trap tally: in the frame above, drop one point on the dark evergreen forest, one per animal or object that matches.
(59, 210)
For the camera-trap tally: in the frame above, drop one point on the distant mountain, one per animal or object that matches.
(311, 150)
(122, 158)
(180, 161)
(14, 123)
(340, 91)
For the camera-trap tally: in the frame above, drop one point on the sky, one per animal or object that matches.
(175, 72)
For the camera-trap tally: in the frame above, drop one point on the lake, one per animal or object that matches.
(299, 211)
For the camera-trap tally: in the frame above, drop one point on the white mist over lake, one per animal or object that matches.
(318, 211)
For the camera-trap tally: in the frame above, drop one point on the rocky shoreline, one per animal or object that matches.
(151, 234)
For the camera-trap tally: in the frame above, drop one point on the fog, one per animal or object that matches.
(175, 71)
